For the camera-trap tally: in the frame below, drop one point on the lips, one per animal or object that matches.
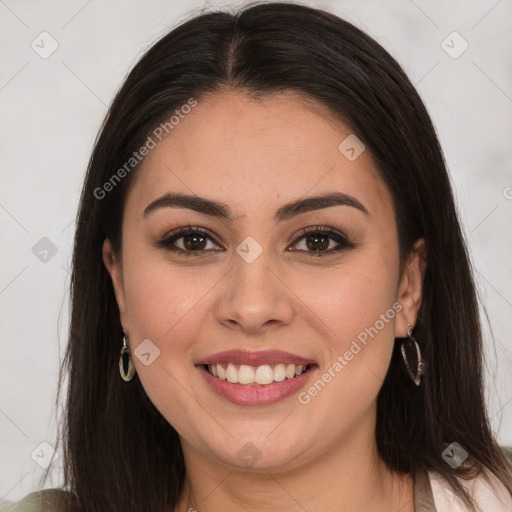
(249, 358)
(255, 378)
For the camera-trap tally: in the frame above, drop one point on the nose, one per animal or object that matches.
(253, 297)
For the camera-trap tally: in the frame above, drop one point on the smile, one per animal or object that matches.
(256, 378)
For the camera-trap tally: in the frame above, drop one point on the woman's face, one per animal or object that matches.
(251, 282)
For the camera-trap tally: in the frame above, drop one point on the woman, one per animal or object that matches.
(269, 254)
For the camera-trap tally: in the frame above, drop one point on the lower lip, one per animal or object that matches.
(247, 394)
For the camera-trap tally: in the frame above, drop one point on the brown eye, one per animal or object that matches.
(317, 242)
(188, 241)
(322, 240)
(194, 242)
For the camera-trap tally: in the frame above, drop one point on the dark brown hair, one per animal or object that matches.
(120, 453)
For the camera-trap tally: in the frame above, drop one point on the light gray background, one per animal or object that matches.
(52, 109)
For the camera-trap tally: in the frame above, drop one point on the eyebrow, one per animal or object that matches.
(285, 212)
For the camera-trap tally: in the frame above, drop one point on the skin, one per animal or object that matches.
(254, 156)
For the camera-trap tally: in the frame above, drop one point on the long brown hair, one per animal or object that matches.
(120, 454)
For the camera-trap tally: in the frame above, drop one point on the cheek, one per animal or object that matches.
(353, 297)
(162, 298)
(357, 302)
(163, 305)
(360, 310)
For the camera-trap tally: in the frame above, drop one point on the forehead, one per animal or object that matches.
(250, 152)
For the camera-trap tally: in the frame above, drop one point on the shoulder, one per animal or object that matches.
(488, 492)
(47, 500)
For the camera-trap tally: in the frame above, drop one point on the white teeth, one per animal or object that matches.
(279, 372)
(263, 374)
(231, 374)
(245, 374)
(290, 371)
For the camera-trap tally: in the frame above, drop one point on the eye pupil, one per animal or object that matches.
(319, 242)
(191, 242)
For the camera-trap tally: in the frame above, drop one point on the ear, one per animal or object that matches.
(116, 273)
(410, 290)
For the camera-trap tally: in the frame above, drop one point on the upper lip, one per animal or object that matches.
(251, 358)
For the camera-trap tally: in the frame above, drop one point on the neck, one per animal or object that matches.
(347, 477)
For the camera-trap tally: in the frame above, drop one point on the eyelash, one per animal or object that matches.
(343, 242)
